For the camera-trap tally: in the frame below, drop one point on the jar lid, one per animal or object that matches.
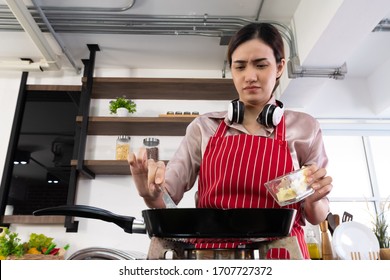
(150, 142)
(124, 137)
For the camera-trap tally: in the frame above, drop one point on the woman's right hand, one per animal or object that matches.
(148, 176)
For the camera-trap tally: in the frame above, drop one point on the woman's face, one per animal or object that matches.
(254, 71)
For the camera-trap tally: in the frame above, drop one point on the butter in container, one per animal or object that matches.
(290, 188)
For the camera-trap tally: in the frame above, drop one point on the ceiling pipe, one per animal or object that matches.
(383, 26)
(61, 9)
(88, 9)
(51, 61)
(57, 38)
(206, 25)
(24, 65)
(295, 70)
(259, 10)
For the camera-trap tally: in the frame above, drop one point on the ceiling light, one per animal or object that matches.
(22, 157)
(51, 179)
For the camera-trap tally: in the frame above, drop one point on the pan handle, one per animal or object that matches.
(127, 223)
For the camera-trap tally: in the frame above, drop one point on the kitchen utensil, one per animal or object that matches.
(191, 222)
(355, 256)
(333, 222)
(169, 203)
(347, 217)
(326, 245)
(354, 237)
(371, 256)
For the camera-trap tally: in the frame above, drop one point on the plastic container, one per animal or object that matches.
(152, 148)
(122, 147)
(290, 188)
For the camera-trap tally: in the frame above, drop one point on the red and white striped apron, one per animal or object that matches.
(233, 172)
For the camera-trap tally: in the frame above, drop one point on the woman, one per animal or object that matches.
(234, 153)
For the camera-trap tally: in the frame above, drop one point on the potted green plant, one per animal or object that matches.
(381, 230)
(122, 106)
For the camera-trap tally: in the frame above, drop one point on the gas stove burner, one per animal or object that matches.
(165, 248)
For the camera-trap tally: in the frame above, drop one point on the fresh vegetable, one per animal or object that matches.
(39, 241)
(34, 251)
(55, 251)
(10, 244)
(50, 248)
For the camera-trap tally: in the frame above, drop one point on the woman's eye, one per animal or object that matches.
(240, 67)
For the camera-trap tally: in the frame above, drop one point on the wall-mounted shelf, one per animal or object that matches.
(147, 88)
(29, 219)
(107, 167)
(163, 88)
(148, 126)
(53, 88)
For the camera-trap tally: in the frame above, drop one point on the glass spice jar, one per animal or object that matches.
(151, 145)
(122, 147)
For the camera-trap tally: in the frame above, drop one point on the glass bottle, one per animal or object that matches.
(313, 245)
(122, 147)
(151, 145)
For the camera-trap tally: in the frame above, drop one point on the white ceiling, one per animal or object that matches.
(347, 37)
(157, 51)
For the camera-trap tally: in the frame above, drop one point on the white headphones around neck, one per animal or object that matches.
(270, 116)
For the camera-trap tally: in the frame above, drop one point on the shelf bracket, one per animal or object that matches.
(81, 136)
(86, 93)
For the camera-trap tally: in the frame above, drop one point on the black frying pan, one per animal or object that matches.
(191, 222)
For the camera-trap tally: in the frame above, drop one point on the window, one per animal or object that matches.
(359, 167)
(380, 152)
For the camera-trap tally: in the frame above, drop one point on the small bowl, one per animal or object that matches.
(290, 188)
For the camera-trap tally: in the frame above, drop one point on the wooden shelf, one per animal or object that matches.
(148, 126)
(29, 219)
(163, 88)
(62, 88)
(107, 167)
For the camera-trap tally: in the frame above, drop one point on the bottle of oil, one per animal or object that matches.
(313, 245)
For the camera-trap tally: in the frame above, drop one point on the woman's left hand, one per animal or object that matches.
(322, 184)
(316, 206)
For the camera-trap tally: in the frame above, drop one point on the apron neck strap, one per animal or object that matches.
(280, 130)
